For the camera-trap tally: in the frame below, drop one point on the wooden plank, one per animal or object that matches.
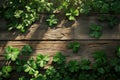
(52, 47)
(65, 30)
(81, 29)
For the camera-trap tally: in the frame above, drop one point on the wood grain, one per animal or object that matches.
(52, 47)
(64, 30)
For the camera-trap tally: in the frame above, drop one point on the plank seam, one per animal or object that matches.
(68, 40)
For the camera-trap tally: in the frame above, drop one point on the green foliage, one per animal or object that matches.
(11, 53)
(95, 31)
(51, 71)
(101, 6)
(31, 67)
(118, 52)
(110, 20)
(20, 63)
(72, 14)
(22, 78)
(99, 54)
(100, 58)
(39, 77)
(115, 64)
(52, 20)
(5, 71)
(87, 76)
(104, 8)
(85, 64)
(59, 58)
(95, 27)
(73, 66)
(115, 7)
(42, 60)
(86, 7)
(26, 50)
(100, 64)
(95, 34)
(103, 68)
(74, 46)
(102, 18)
(20, 14)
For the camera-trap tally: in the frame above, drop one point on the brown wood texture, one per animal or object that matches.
(52, 47)
(49, 41)
(64, 30)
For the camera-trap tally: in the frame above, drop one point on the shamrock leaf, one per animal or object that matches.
(74, 46)
(52, 20)
(26, 50)
(5, 72)
(39, 77)
(18, 13)
(85, 64)
(11, 53)
(20, 64)
(59, 58)
(31, 67)
(73, 66)
(95, 31)
(72, 14)
(42, 60)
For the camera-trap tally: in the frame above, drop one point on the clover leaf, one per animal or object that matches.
(5, 71)
(95, 31)
(52, 20)
(74, 46)
(72, 14)
(31, 67)
(85, 64)
(11, 53)
(59, 58)
(73, 66)
(42, 60)
(26, 50)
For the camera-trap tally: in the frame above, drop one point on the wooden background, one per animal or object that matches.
(46, 40)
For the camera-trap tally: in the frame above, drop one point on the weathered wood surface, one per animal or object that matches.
(49, 41)
(52, 47)
(65, 30)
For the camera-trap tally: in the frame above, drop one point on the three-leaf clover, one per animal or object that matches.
(74, 46)
(72, 14)
(95, 31)
(18, 13)
(118, 52)
(73, 66)
(20, 64)
(85, 64)
(59, 58)
(42, 60)
(52, 20)
(51, 71)
(26, 50)
(31, 67)
(11, 53)
(5, 71)
(112, 21)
